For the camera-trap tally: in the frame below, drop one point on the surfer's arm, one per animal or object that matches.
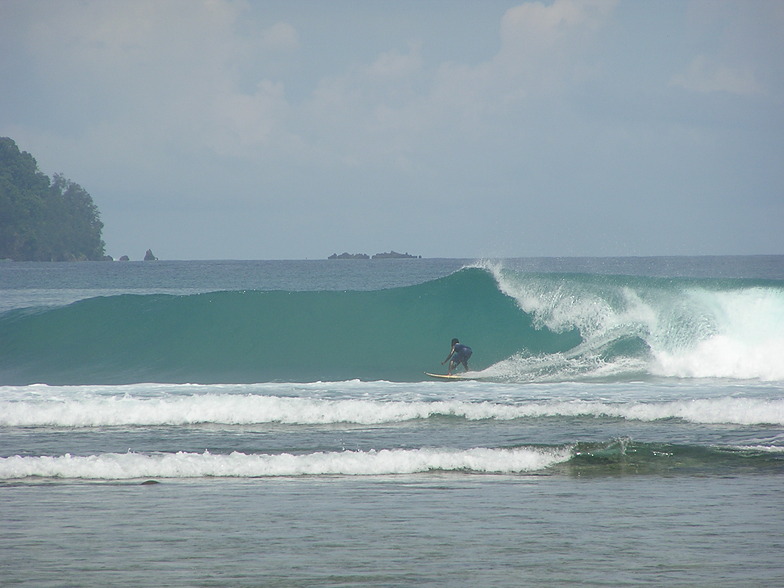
(448, 357)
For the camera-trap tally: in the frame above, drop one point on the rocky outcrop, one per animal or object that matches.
(390, 255)
(395, 255)
(149, 256)
(345, 255)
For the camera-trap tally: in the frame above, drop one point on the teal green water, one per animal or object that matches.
(248, 336)
(522, 326)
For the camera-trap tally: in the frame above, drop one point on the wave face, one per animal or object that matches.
(522, 327)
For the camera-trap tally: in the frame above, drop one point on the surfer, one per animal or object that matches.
(458, 354)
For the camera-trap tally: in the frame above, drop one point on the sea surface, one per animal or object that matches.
(270, 423)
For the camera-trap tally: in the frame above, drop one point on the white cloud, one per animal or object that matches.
(534, 26)
(280, 36)
(147, 75)
(395, 106)
(394, 65)
(97, 37)
(242, 123)
(182, 71)
(543, 50)
(540, 41)
(706, 75)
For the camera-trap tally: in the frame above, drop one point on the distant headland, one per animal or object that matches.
(390, 255)
(44, 219)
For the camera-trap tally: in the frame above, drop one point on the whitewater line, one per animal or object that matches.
(114, 466)
(254, 410)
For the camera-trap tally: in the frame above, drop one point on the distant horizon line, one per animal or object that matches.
(474, 258)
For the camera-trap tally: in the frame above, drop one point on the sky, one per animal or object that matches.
(294, 129)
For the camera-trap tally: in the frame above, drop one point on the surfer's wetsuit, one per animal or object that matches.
(460, 354)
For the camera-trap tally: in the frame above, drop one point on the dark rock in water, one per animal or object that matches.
(125, 258)
(149, 256)
(150, 483)
(396, 255)
(345, 255)
(390, 255)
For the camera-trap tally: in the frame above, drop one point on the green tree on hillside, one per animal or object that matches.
(43, 220)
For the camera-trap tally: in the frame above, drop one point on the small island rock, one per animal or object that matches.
(346, 255)
(395, 255)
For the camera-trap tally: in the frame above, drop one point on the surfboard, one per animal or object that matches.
(446, 377)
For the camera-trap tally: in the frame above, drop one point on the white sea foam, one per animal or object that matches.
(747, 342)
(692, 332)
(234, 409)
(114, 466)
(760, 448)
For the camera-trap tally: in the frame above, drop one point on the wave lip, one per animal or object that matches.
(112, 466)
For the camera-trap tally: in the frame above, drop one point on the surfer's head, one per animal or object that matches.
(455, 341)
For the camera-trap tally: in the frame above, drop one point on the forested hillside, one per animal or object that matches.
(43, 219)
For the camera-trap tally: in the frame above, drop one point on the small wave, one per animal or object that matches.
(113, 466)
(232, 409)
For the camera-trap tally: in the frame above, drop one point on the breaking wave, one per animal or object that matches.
(523, 327)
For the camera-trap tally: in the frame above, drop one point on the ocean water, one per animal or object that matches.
(269, 423)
